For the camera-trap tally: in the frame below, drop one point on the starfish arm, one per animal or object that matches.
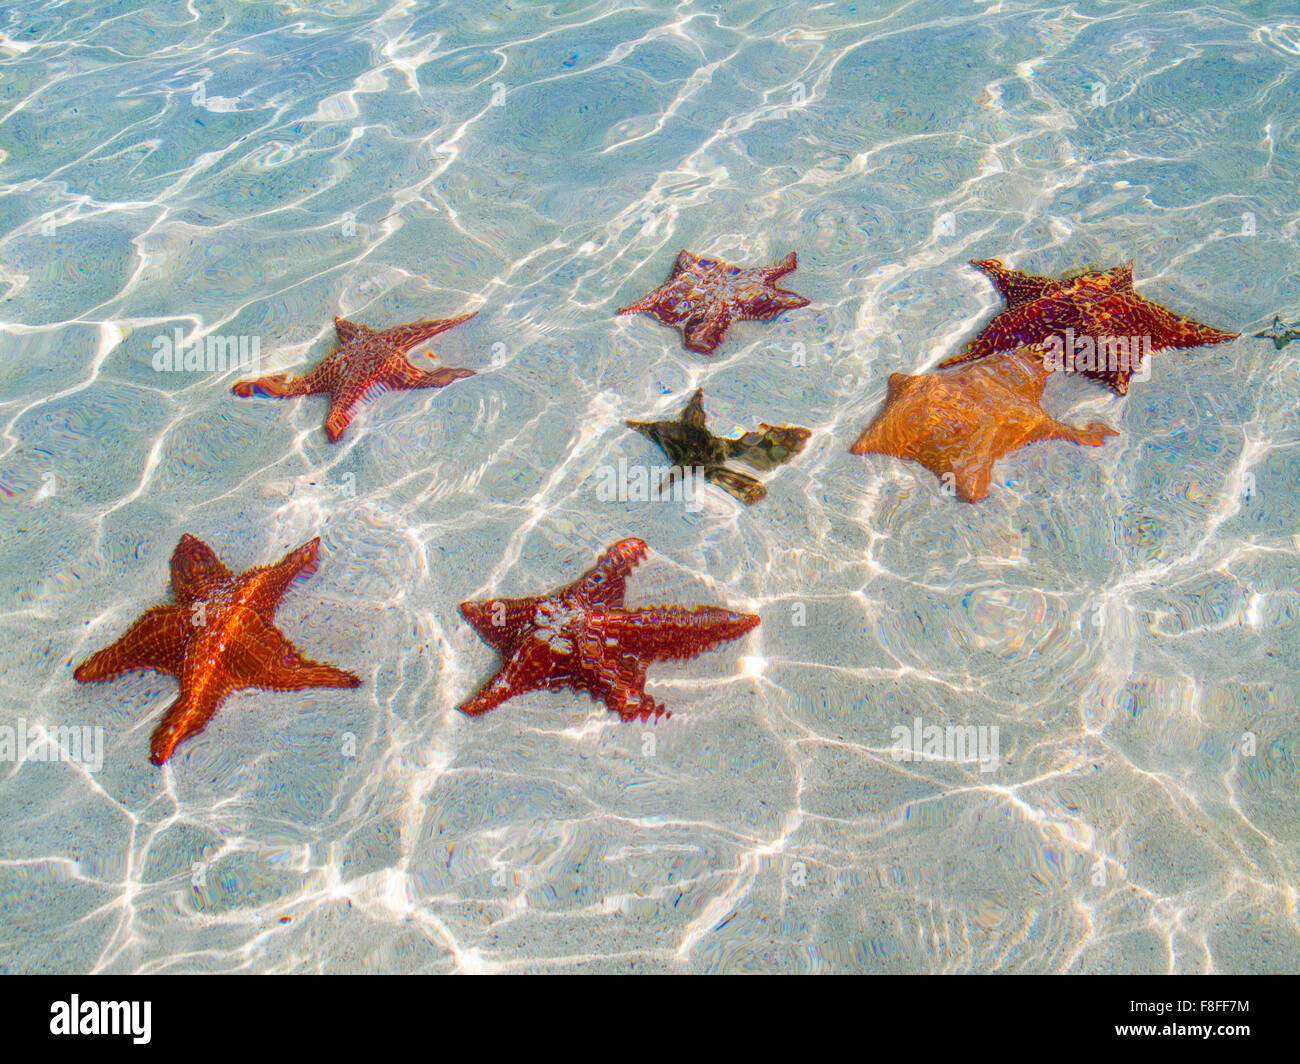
(1135, 316)
(196, 570)
(641, 306)
(156, 641)
(787, 265)
(348, 331)
(693, 415)
(400, 374)
(524, 672)
(261, 589)
(258, 655)
(739, 486)
(1093, 434)
(667, 481)
(1015, 287)
(501, 623)
(971, 477)
(685, 260)
(620, 684)
(605, 583)
(186, 717)
(703, 334)
(340, 417)
(881, 437)
(663, 633)
(873, 440)
(405, 337)
(278, 386)
(771, 446)
(1027, 325)
(773, 303)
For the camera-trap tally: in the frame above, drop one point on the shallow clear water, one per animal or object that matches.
(1124, 616)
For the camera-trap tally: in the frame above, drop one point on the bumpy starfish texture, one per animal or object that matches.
(690, 445)
(369, 362)
(583, 637)
(958, 424)
(1099, 305)
(219, 637)
(702, 297)
(1280, 332)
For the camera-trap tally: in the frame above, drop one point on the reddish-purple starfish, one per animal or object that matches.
(1099, 308)
(369, 362)
(583, 637)
(702, 297)
(219, 637)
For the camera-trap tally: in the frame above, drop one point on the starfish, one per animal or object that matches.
(1099, 307)
(219, 637)
(958, 424)
(369, 362)
(1280, 333)
(583, 637)
(702, 297)
(690, 445)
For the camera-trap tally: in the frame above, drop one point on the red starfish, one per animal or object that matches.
(583, 637)
(218, 638)
(702, 297)
(1101, 307)
(369, 362)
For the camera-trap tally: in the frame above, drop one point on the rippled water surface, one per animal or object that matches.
(1123, 616)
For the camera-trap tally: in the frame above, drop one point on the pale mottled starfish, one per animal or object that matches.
(702, 297)
(1099, 305)
(369, 362)
(690, 445)
(958, 424)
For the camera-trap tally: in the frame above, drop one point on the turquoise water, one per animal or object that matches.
(1123, 616)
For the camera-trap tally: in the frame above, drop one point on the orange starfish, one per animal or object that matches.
(218, 638)
(1098, 311)
(958, 424)
(702, 297)
(369, 362)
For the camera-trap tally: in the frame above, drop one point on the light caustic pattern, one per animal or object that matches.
(1124, 616)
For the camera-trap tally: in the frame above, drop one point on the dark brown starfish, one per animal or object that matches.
(689, 444)
(369, 362)
(583, 636)
(702, 297)
(219, 637)
(958, 424)
(1097, 309)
